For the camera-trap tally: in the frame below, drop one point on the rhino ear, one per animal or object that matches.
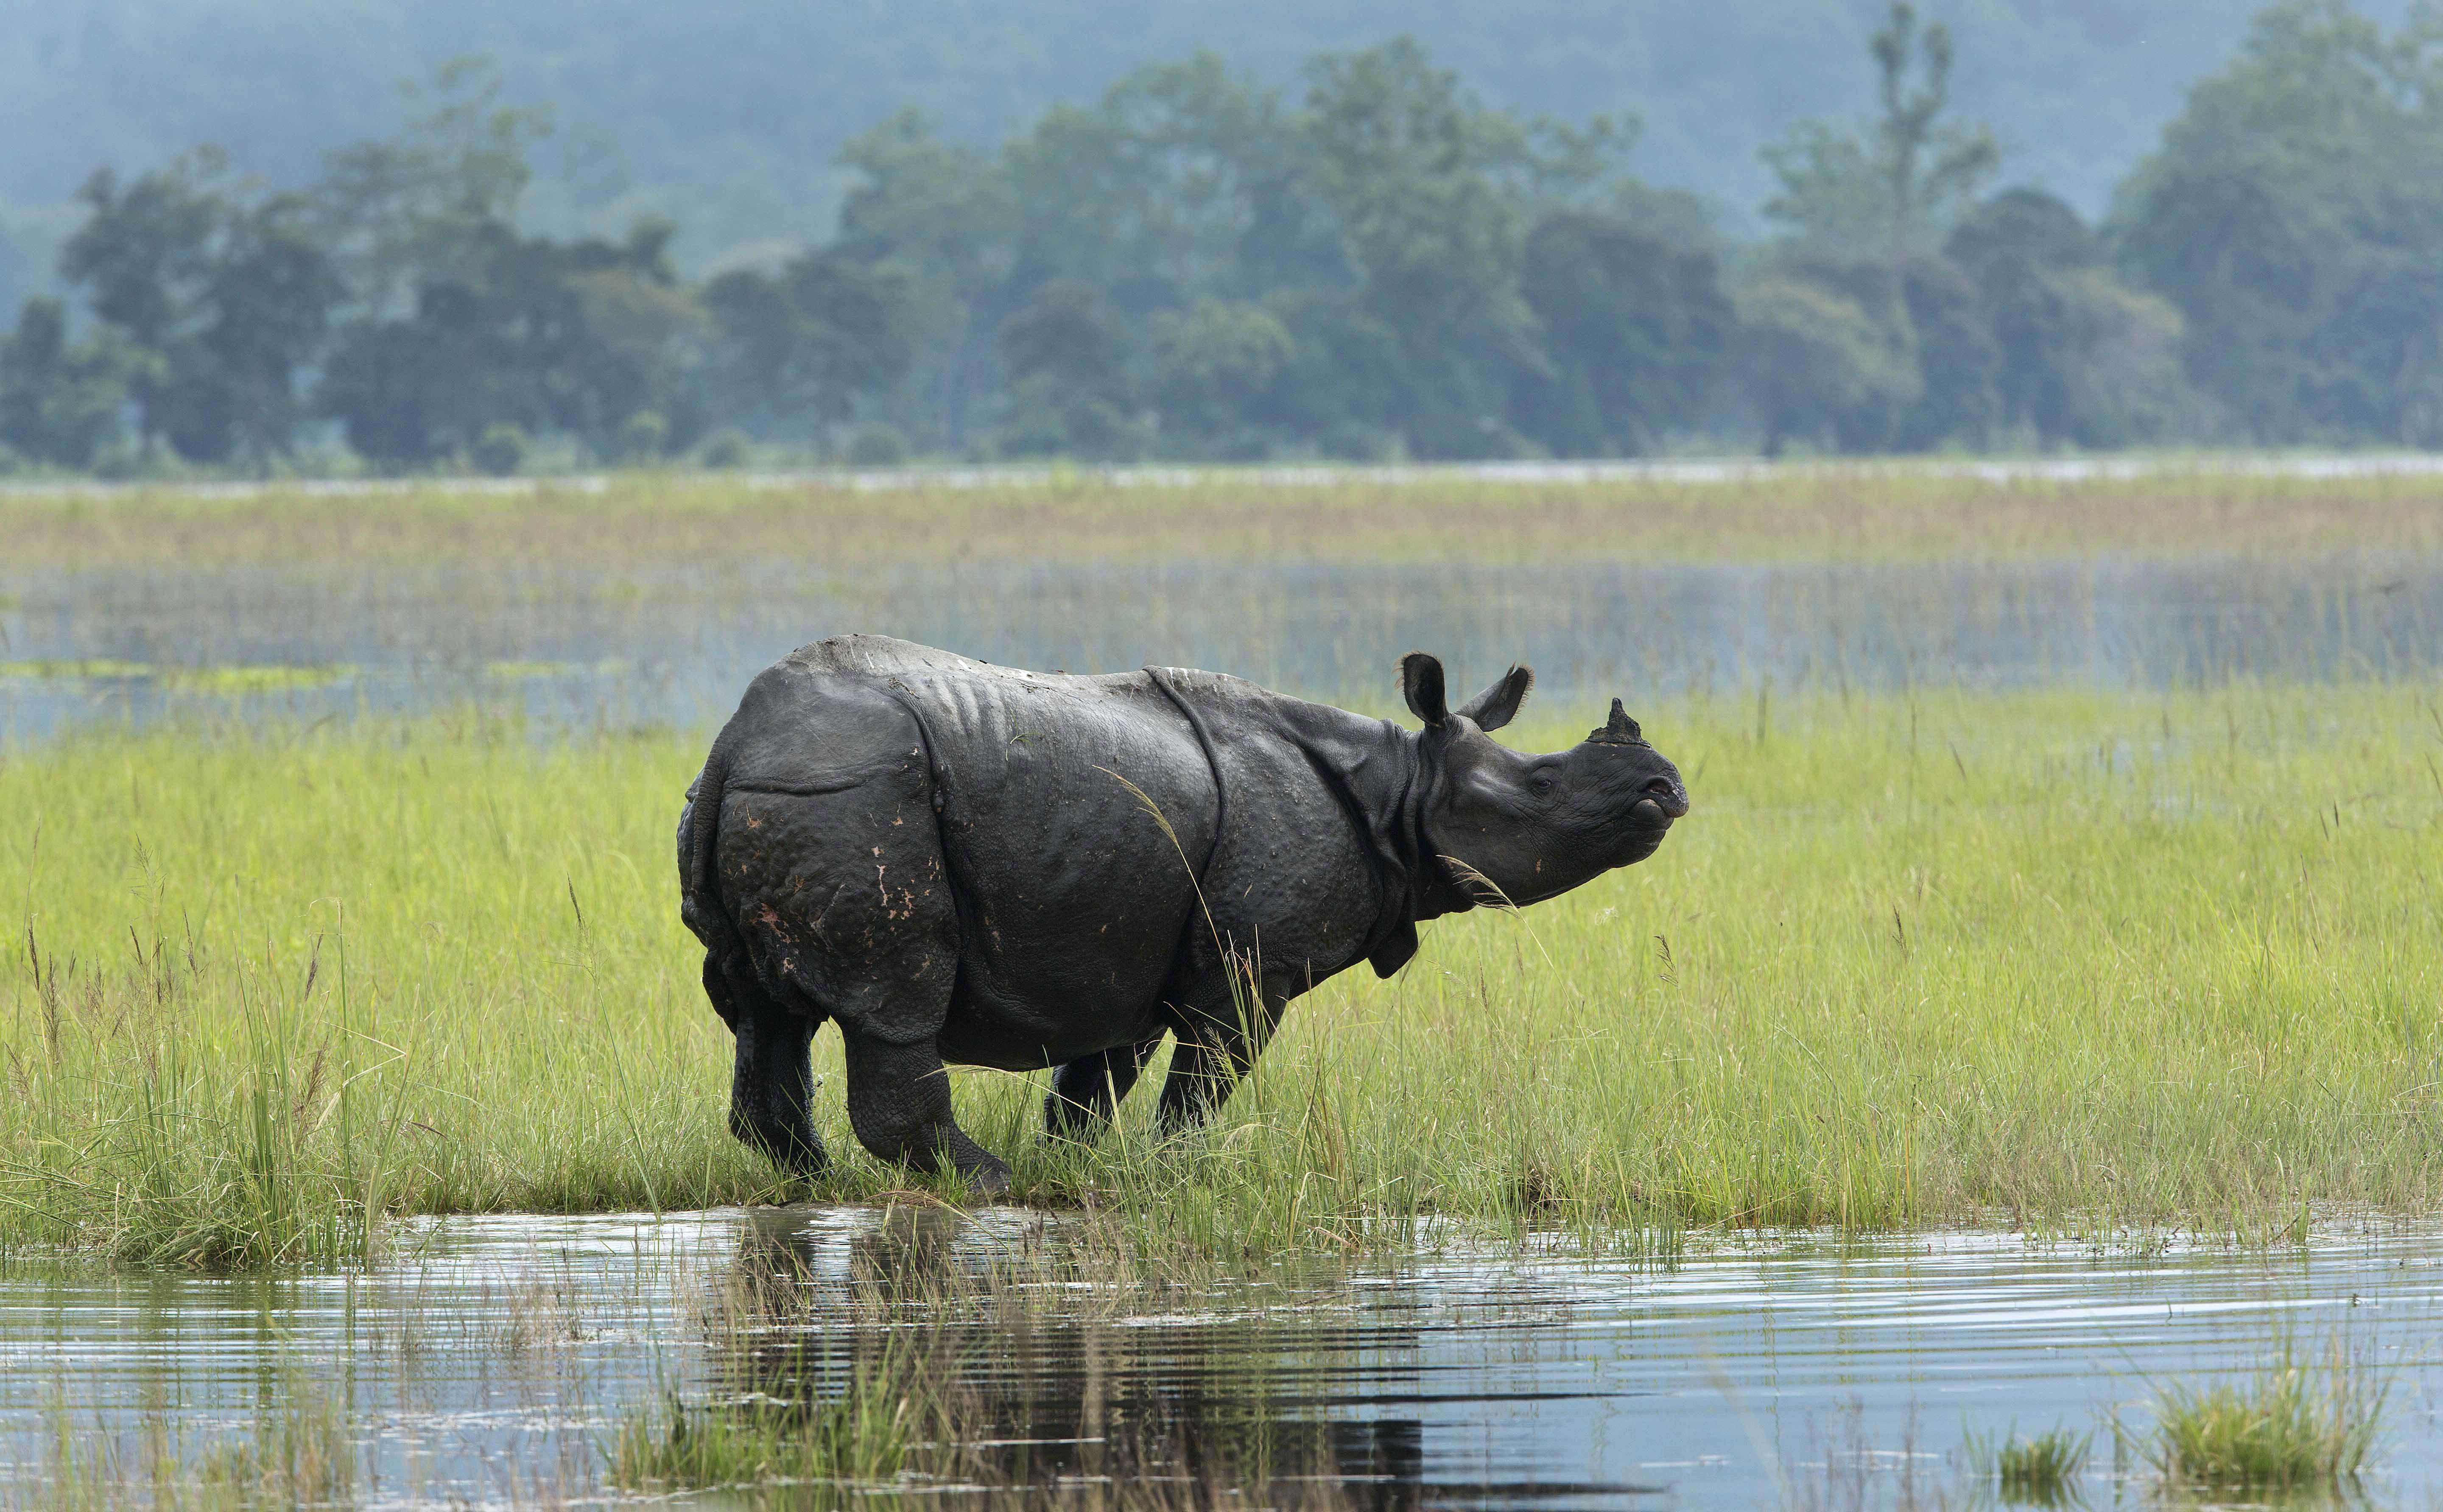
(1498, 705)
(1421, 680)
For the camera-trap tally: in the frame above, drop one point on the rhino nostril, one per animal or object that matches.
(1659, 787)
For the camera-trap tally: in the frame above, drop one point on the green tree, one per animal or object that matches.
(1870, 337)
(59, 401)
(1810, 358)
(1957, 362)
(1635, 330)
(2082, 359)
(1433, 197)
(572, 338)
(2294, 214)
(1344, 388)
(268, 305)
(2020, 247)
(227, 292)
(415, 389)
(1181, 183)
(1066, 361)
(1214, 368)
(462, 322)
(430, 204)
(141, 260)
(1891, 191)
(946, 213)
(802, 344)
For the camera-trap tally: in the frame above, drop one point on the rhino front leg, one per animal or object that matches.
(772, 1079)
(1087, 1092)
(1216, 1049)
(899, 1104)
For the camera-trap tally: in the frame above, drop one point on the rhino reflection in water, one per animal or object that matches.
(962, 862)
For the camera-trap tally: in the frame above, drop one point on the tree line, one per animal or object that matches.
(1373, 265)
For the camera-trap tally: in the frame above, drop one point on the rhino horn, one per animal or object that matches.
(1622, 730)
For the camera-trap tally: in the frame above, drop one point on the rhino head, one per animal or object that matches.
(1533, 826)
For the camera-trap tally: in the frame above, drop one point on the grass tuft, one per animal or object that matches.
(2038, 1472)
(2292, 1426)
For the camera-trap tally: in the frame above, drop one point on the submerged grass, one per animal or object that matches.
(2059, 959)
(297, 1452)
(1816, 512)
(2038, 1472)
(861, 1436)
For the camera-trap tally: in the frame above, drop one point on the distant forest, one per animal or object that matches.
(1372, 262)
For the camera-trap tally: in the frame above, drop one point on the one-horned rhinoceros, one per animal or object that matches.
(963, 862)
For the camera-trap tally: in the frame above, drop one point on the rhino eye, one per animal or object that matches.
(1540, 784)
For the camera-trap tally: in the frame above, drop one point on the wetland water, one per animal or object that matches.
(677, 646)
(492, 1359)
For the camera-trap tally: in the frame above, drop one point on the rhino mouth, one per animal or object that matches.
(1661, 802)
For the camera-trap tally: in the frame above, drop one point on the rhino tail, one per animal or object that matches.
(700, 899)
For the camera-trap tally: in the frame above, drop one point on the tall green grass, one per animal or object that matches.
(1812, 512)
(2052, 958)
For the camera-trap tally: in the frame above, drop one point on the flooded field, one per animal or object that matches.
(674, 647)
(1869, 932)
(498, 1361)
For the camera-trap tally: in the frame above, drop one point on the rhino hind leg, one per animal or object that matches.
(1087, 1092)
(842, 898)
(771, 1081)
(899, 1104)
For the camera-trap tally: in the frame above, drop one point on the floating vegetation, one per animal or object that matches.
(515, 670)
(91, 667)
(262, 678)
(255, 679)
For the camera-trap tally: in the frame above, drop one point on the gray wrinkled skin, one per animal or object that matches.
(968, 863)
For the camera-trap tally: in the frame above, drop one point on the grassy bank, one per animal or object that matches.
(1823, 513)
(2037, 957)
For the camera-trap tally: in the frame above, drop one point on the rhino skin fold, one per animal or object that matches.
(958, 862)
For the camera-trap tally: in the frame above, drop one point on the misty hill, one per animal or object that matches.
(726, 113)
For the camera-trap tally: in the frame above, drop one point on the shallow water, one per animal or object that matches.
(677, 647)
(492, 1359)
(1328, 474)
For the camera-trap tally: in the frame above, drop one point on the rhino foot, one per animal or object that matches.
(989, 1179)
(794, 1146)
(899, 1104)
